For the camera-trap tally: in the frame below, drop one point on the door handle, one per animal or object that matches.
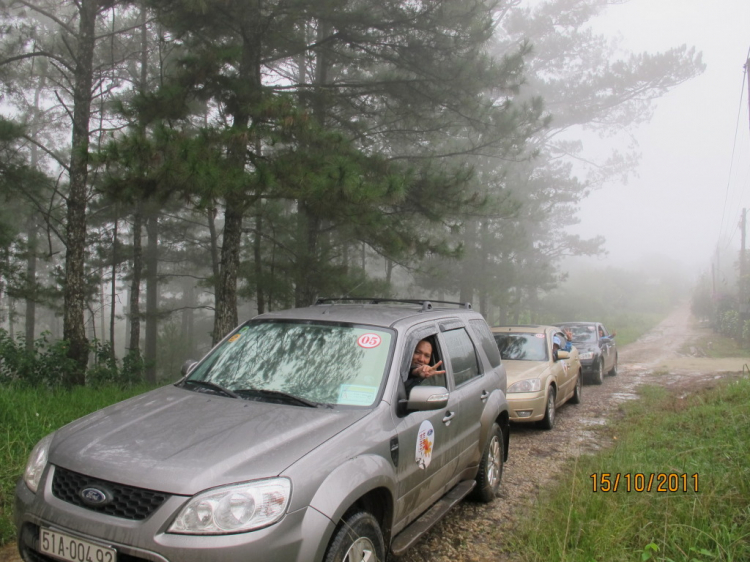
(448, 417)
(483, 397)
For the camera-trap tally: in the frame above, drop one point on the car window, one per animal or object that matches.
(462, 356)
(522, 346)
(320, 362)
(582, 332)
(482, 331)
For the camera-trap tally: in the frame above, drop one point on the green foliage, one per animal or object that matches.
(45, 364)
(704, 434)
(48, 365)
(27, 414)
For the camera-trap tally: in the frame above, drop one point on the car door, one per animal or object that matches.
(471, 390)
(424, 439)
(565, 375)
(606, 347)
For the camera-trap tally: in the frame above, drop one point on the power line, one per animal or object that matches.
(734, 146)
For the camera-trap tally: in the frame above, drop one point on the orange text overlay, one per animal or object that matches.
(639, 482)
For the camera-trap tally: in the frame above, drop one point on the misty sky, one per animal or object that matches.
(675, 204)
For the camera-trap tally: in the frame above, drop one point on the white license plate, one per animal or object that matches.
(73, 549)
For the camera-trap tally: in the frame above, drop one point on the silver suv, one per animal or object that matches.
(294, 439)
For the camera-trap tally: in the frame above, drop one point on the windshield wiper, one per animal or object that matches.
(211, 386)
(279, 394)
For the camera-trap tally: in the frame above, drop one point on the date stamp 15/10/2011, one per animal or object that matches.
(640, 482)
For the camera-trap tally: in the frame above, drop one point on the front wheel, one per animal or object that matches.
(576, 398)
(358, 538)
(549, 413)
(491, 469)
(613, 371)
(599, 375)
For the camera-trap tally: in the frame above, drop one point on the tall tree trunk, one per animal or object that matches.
(257, 244)
(31, 290)
(134, 345)
(247, 100)
(74, 298)
(188, 316)
(152, 292)
(113, 289)
(134, 302)
(225, 318)
(468, 274)
(308, 225)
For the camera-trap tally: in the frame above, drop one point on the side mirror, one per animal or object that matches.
(188, 366)
(562, 355)
(423, 398)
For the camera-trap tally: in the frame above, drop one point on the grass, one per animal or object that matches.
(716, 346)
(705, 434)
(27, 415)
(631, 326)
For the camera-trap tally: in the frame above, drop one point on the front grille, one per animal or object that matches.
(128, 502)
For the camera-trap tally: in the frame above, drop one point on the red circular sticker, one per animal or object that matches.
(369, 341)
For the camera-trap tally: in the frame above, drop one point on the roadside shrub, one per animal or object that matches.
(47, 363)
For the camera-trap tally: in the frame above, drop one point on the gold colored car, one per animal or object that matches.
(542, 376)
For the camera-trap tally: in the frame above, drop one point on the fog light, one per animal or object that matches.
(523, 413)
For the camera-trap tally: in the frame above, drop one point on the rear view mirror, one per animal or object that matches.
(422, 398)
(188, 366)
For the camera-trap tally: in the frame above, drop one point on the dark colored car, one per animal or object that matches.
(293, 440)
(597, 349)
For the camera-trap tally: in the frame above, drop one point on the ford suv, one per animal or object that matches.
(294, 439)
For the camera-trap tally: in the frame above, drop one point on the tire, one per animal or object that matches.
(549, 413)
(576, 398)
(491, 468)
(599, 375)
(358, 538)
(613, 371)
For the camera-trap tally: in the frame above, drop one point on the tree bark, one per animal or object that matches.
(74, 296)
(31, 290)
(152, 293)
(113, 290)
(135, 283)
(225, 318)
(246, 100)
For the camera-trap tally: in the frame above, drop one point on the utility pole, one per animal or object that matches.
(741, 284)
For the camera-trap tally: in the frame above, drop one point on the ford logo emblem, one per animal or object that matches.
(95, 497)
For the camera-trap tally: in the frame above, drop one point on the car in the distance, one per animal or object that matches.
(293, 440)
(596, 347)
(540, 378)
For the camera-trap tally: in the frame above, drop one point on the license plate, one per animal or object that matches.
(73, 549)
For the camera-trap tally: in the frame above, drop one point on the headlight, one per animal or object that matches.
(37, 462)
(234, 509)
(586, 355)
(528, 385)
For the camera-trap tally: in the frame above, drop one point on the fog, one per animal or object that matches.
(693, 178)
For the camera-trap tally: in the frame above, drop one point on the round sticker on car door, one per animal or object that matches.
(425, 444)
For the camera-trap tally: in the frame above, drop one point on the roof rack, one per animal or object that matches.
(425, 304)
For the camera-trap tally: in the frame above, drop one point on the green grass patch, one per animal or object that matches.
(705, 434)
(715, 345)
(630, 327)
(27, 415)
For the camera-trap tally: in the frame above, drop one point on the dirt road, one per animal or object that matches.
(475, 532)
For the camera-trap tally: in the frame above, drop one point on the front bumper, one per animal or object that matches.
(300, 536)
(527, 406)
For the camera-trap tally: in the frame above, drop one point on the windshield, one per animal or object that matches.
(319, 363)
(522, 347)
(582, 332)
